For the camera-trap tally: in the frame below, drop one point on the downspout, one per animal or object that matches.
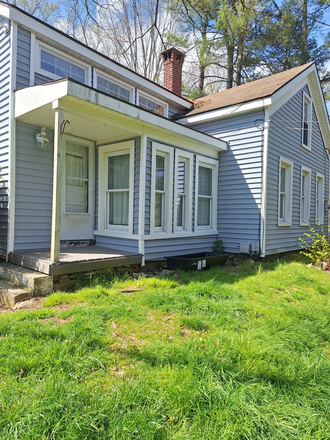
(264, 185)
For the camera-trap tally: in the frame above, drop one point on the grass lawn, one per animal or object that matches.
(239, 352)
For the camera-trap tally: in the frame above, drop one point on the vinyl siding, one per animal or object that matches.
(240, 171)
(285, 139)
(169, 247)
(4, 134)
(123, 244)
(23, 58)
(148, 189)
(34, 189)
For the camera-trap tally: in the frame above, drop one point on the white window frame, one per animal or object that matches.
(319, 201)
(117, 82)
(307, 101)
(105, 152)
(307, 197)
(62, 56)
(212, 164)
(90, 146)
(151, 98)
(188, 158)
(167, 152)
(288, 165)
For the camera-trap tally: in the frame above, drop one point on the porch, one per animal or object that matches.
(74, 260)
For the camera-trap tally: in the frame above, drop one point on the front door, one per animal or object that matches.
(78, 196)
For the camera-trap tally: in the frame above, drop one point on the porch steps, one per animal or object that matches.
(18, 283)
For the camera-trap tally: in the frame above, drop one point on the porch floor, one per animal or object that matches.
(74, 259)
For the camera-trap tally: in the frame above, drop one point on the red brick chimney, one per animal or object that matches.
(173, 60)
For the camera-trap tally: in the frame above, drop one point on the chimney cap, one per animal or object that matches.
(166, 51)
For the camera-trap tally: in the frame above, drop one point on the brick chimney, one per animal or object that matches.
(173, 60)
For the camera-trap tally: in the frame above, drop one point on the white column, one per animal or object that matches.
(57, 188)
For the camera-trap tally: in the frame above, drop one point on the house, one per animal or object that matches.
(92, 152)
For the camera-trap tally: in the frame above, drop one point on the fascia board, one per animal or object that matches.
(227, 111)
(36, 26)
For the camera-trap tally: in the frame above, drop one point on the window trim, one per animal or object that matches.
(62, 56)
(288, 164)
(117, 82)
(214, 165)
(104, 152)
(305, 171)
(189, 159)
(167, 152)
(151, 98)
(319, 206)
(307, 100)
(91, 179)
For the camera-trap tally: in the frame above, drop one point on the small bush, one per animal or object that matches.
(319, 250)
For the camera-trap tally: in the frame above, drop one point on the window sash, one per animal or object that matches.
(118, 189)
(60, 67)
(113, 89)
(76, 178)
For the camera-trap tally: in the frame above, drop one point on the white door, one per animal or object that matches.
(78, 196)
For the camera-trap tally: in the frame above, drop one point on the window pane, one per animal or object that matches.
(159, 209)
(205, 181)
(113, 89)
(61, 67)
(282, 206)
(118, 208)
(204, 215)
(180, 211)
(283, 179)
(181, 177)
(118, 172)
(160, 173)
(76, 168)
(152, 106)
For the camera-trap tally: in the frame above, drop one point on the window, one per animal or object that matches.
(161, 189)
(183, 192)
(56, 64)
(305, 190)
(113, 87)
(206, 194)
(76, 178)
(116, 171)
(152, 104)
(307, 122)
(319, 198)
(285, 192)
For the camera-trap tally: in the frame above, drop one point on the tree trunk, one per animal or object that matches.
(304, 52)
(230, 66)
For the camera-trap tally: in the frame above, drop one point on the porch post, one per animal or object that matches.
(57, 188)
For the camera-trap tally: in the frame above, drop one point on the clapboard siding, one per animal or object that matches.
(240, 181)
(23, 58)
(169, 247)
(286, 143)
(34, 189)
(41, 79)
(5, 72)
(148, 189)
(137, 154)
(96, 187)
(123, 244)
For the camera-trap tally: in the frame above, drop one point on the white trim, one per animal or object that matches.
(319, 177)
(305, 171)
(62, 56)
(12, 141)
(189, 159)
(263, 224)
(167, 152)
(99, 73)
(152, 99)
(213, 164)
(33, 50)
(142, 194)
(287, 164)
(307, 100)
(156, 236)
(104, 152)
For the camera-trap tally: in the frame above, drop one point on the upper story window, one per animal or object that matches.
(307, 122)
(55, 64)
(152, 104)
(113, 87)
(285, 192)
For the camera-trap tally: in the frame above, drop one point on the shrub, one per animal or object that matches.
(319, 250)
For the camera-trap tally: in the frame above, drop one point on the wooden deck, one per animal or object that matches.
(74, 259)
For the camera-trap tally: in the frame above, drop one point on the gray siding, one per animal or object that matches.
(287, 143)
(123, 244)
(34, 189)
(169, 247)
(148, 190)
(240, 171)
(96, 186)
(23, 58)
(4, 134)
(41, 79)
(137, 153)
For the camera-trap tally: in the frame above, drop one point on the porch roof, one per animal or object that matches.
(92, 113)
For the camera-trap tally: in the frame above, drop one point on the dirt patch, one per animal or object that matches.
(130, 290)
(55, 322)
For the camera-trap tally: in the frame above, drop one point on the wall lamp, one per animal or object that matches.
(42, 140)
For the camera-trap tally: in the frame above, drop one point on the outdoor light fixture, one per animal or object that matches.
(42, 140)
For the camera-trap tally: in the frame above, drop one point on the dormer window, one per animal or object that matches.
(307, 122)
(113, 87)
(152, 104)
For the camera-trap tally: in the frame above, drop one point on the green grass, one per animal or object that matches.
(239, 352)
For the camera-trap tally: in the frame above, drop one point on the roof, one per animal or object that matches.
(258, 89)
